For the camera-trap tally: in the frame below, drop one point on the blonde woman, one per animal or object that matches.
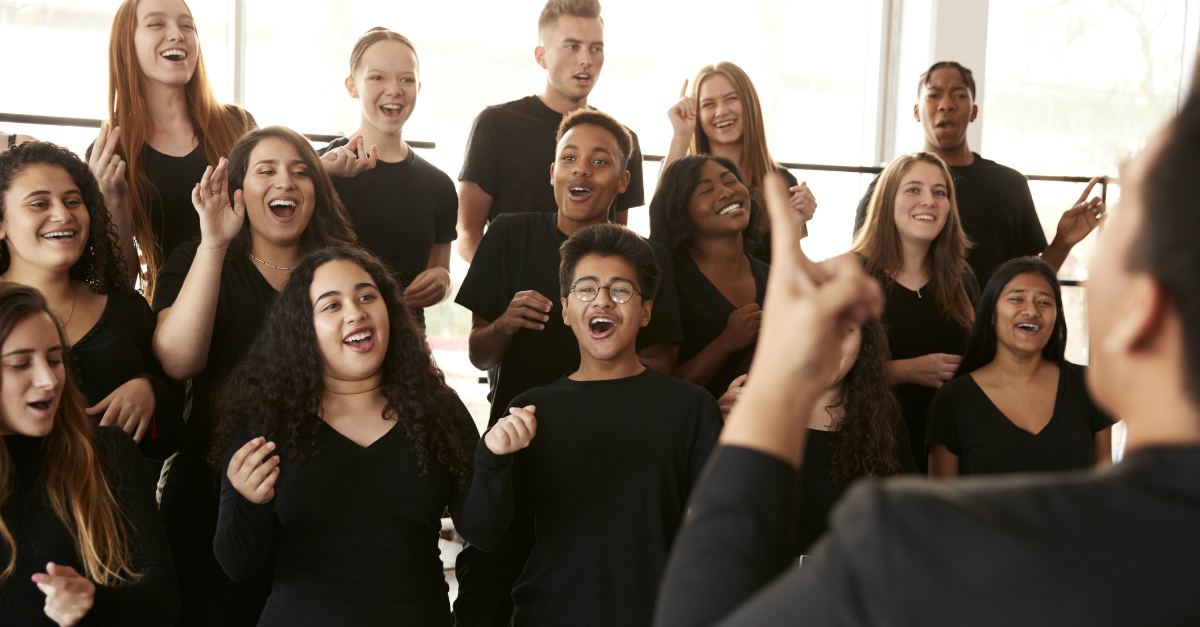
(80, 535)
(722, 117)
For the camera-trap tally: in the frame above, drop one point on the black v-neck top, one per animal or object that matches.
(964, 420)
(354, 534)
(116, 350)
(704, 312)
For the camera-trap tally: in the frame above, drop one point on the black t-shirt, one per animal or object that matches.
(400, 210)
(354, 533)
(173, 219)
(116, 350)
(704, 312)
(763, 250)
(190, 494)
(817, 492)
(1110, 548)
(510, 151)
(520, 252)
(605, 483)
(964, 420)
(915, 327)
(997, 213)
(41, 537)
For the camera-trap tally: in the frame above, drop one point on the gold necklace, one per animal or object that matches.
(269, 265)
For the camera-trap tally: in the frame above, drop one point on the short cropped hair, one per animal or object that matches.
(610, 240)
(555, 9)
(1168, 246)
(967, 76)
(603, 120)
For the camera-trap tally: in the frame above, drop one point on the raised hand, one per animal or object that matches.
(513, 432)
(730, 398)
(1081, 219)
(528, 310)
(428, 288)
(220, 222)
(351, 159)
(803, 202)
(69, 595)
(130, 407)
(683, 113)
(741, 329)
(252, 474)
(107, 166)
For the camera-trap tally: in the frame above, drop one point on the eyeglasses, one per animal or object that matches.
(620, 291)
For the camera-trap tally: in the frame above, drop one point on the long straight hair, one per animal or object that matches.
(216, 127)
(981, 343)
(73, 480)
(878, 241)
(755, 155)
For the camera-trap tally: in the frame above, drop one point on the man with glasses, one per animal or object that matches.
(604, 457)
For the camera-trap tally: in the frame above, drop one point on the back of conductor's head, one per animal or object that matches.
(1144, 291)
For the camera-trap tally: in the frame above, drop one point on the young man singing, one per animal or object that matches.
(994, 202)
(512, 144)
(618, 447)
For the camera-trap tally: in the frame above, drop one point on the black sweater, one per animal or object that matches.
(1116, 547)
(354, 533)
(604, 486)
(41, 538)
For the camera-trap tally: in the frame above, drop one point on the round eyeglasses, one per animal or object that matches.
(620, 291)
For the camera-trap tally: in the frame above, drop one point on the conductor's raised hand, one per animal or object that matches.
(252, 473)
(683, 113)
(351, 159)
(527, 310)
(513, 432)
(220, 220)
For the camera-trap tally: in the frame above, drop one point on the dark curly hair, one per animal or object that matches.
(330, 223)
(981, 343)
(102, 265)
(671, 223)
(276, 388)
(866, 436)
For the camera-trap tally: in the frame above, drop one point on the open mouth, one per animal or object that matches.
(283, 208)
(174, 54)
(583, 78)
(601, 327)
(360, 340)
(1028, 328)
(925, 217)
(42, 405)
(945, 125)
(59, 235)
(579, 191)
(392, 110)
(736, 207)
(725, 124)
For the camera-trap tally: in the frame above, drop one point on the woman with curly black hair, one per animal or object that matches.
(56, 236)
(707, 217)
(857, 430)
(342, 445)
(260, 212)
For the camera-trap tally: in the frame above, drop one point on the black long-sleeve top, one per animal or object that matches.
(41, 537)
(354, 534)
(1115, 547)
(603, 485)
(117, 350)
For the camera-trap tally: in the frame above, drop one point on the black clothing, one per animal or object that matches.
(1116, 547)
(190, 494)
(997, 213)
(173, 219)
(510, 151)
(400, 210)
(520, 252)
(41, 537)
(763, 250)
(818, 492)
(606, 484)
(117, 350)
(964, 420)
(354, 533)
(704, 312)
(916, 327)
